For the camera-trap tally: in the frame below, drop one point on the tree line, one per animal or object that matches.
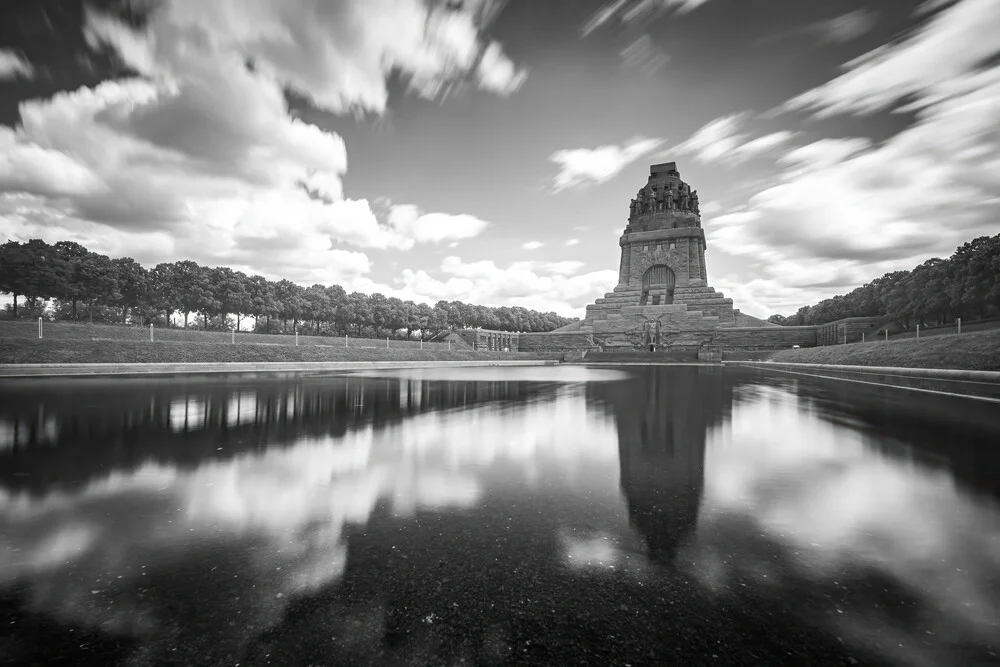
(965, 285)
(122, 290)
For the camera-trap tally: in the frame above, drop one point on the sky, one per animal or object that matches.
(486, 151)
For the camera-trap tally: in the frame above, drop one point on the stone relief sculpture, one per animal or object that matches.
(694, 202)
(684, 201)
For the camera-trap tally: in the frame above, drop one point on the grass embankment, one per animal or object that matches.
(71, 343)
(27, 351)
(82, 331)
(978, 351)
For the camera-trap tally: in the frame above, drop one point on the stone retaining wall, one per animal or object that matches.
(555, 342)
(763, 338)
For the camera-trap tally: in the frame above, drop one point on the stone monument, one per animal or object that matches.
(662, 298)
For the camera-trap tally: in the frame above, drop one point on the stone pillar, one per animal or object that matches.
(624, 268)
(692, 260)
(701, 258)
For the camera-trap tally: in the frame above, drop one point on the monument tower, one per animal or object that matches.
(662, 298)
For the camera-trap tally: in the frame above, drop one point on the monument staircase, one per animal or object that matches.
(672, 354)
(690, 321)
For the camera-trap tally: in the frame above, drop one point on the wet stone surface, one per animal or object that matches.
(564, 515)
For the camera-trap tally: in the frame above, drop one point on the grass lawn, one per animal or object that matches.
(79, 351)
(976, 351)
(83, 331)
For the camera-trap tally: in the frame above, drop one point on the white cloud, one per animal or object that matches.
(844, 211)
(949, 45)
(337, 54)
(572, 242)
(762, 145)
(824, 153)
(13, 65)
(590, 166)
(413, 227)
(202, 156)
(721, 142)
(532, 245)
(497, 73)
(545, 286)
(846, 27)
(645, 56)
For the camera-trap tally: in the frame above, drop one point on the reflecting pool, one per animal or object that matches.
(551, 515)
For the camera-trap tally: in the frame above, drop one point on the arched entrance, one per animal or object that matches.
(657, 286)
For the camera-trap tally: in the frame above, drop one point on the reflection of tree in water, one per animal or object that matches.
(64, 435)
(663, 414)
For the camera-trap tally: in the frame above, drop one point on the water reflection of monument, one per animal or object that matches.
(663, 414)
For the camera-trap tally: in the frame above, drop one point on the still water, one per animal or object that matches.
(560, 515)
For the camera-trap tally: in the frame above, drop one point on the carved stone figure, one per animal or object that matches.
(684, 201)
(694, 202)
(656, 334)
(632, 209)
(651, 201)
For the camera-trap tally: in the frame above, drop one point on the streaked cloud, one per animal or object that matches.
(837, 30)
(14, 65)
(201, 158)
(842, 211)
(722, 141)
(929, 64)
(846, 27)
(630, 12)
(644, 55)
(580, 167)
(497, 73)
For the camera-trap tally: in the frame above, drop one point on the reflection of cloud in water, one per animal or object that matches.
(283, 509)
(559, 373)
(599, 550)
(841, 508)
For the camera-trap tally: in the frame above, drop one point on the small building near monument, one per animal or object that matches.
(489, 339)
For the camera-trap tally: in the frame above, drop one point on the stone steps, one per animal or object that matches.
(700, 301)
(674, 353)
